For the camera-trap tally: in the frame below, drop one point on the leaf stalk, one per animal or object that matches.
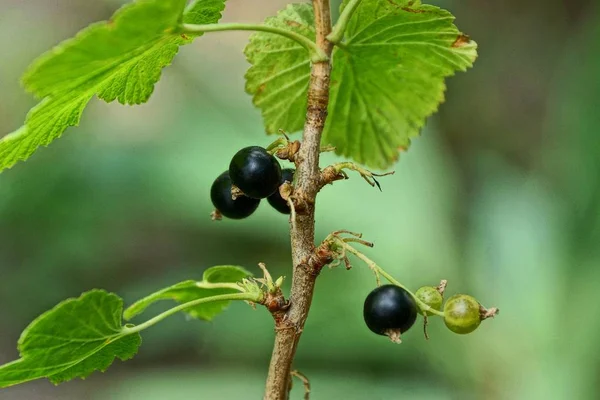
(316, 53)
(253, 297)
(337, 33)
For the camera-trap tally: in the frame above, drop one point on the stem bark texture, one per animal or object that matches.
(302, 231)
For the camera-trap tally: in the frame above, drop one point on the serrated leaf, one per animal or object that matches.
(74, 339)
(120, 59)
(187, 291)
(387, 78)
(204, 12)
(280, 71)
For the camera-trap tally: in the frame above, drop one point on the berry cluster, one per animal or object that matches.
(391, 310)
(253, 174)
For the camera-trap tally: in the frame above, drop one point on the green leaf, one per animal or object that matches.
(186, 291)
(280, 71)
(390, 77)
(120, 59)
(74, 339)
(204, 12)
(387, 78)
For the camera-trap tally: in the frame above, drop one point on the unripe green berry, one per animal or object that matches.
(461, 314)
(430, 296)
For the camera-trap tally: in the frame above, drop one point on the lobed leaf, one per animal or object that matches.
(387, 77)
(74, 339)
(280, 69)
(190, 290)
(120, 59)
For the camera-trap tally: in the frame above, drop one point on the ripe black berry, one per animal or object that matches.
(390, 310)
(275, 200)
(220, 194)
(256, 172)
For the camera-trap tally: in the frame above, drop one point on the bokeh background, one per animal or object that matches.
(500, 195)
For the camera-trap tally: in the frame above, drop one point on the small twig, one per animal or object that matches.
(380, 271)
(285, 135)
(337, 233)
(283, 147)
(304, 381)
(376, 272)
(355, 240)
(335, 172)
(347, 263)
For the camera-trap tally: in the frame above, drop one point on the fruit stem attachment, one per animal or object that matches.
(335, 172)
(252, 297)
(337, 33)
(380, 271)
(316, 53)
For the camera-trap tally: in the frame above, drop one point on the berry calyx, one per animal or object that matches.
(275, 200)
(462, 314)
(256, 172)
(390, 310)
(220, 195)
(431, 297)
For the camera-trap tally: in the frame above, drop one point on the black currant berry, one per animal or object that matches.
(220, 194)
(256, 172)
(462, 314)
(390, 310)
(275, 200)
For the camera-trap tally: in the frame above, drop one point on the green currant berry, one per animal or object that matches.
(461, 314)
(220, 194)
(430, 296)
(256, 172)
(389, 310)
(275, 200)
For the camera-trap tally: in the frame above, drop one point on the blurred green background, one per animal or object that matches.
(501, 196)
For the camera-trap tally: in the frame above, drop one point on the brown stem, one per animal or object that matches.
(302, 232)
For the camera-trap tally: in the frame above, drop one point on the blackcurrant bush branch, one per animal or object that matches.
(307, 261)
(373, 266)
(336, 172)
(316, 53)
